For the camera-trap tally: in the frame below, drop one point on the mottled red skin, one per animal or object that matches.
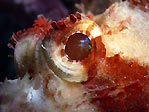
(117, 85)
(142, 4)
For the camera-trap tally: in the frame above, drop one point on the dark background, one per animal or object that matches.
(19, 14)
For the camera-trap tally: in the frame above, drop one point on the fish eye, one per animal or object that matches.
(66, 49)
(78, 46)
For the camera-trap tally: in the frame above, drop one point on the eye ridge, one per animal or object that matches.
(78, 46)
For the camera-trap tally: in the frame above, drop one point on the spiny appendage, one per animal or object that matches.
(40, 27)
(43, 26)
(64, 23)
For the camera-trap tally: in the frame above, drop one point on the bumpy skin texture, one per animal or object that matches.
(113, 78)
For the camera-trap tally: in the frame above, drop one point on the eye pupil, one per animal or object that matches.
(78, 46)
